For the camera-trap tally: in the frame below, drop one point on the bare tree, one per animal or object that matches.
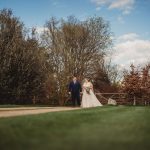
(75, 47)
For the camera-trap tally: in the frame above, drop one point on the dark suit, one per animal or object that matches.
(75, 89)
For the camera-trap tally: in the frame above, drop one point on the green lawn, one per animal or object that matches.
(108, 127)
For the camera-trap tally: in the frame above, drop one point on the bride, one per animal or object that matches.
(88, 98)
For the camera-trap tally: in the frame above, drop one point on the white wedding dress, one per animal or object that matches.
(89, 99)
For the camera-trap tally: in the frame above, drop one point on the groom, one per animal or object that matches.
(74, 90)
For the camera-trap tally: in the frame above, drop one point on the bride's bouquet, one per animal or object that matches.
(87, 90)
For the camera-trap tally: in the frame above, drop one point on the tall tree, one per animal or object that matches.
(132, 83)
(145, 83)
(75, 47)
(22, 61)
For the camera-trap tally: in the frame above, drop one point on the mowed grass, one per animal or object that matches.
(108, 128)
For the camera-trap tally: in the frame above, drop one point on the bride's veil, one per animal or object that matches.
(82, 82)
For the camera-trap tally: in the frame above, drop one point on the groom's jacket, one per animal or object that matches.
(75, 88)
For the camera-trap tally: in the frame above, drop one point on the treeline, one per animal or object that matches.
(136, 83)
(23, 65)
(37, 68)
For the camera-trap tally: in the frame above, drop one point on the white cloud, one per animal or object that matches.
(131, 49)
(125, 5)
(98, 8)
(99, 2)
(40, 30)
(128, 37)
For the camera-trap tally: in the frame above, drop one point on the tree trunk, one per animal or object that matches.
(134, 102)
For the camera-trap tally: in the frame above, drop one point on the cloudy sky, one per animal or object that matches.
(129, 21)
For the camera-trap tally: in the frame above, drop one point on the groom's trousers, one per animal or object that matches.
(75, 98)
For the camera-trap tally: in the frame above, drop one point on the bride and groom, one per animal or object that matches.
(88, 98)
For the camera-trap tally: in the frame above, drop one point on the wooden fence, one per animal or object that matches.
(121, 99)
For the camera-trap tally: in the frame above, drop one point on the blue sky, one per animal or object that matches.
(129, 21)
